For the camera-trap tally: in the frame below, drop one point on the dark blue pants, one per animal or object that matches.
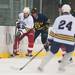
(56, 45)
(44, 36)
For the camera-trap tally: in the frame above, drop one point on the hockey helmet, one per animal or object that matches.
(66, 8)
(34, 10)
(26, 10)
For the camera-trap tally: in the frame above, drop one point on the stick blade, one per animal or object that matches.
(20, 69)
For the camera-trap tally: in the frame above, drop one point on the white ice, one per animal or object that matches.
(8, 67)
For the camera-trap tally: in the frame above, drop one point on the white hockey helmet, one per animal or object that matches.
(26, 10)
(66, 8)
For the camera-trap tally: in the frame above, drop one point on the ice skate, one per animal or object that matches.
(15, 52)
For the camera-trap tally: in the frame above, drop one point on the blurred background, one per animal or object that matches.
(9, 9)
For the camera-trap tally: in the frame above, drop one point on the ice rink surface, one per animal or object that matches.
(8, 67)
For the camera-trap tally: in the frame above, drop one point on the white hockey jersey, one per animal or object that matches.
(63, 30)
(28, 22)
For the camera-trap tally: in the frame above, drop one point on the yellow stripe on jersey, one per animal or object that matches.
(62, 37)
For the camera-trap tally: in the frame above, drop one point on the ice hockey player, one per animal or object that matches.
(48, 45)
(41, 24)
(62, 35)
(25, 26)
(73, 14)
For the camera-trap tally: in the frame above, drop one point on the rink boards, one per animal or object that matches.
(7, 40)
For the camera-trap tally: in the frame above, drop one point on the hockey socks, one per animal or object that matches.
(45, 60)
(65, 61)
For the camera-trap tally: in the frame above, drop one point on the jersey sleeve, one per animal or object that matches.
(30, 22)
(55, 25)
(52, 30)
(45, 19)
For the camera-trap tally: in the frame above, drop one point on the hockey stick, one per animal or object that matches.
(21, 68)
